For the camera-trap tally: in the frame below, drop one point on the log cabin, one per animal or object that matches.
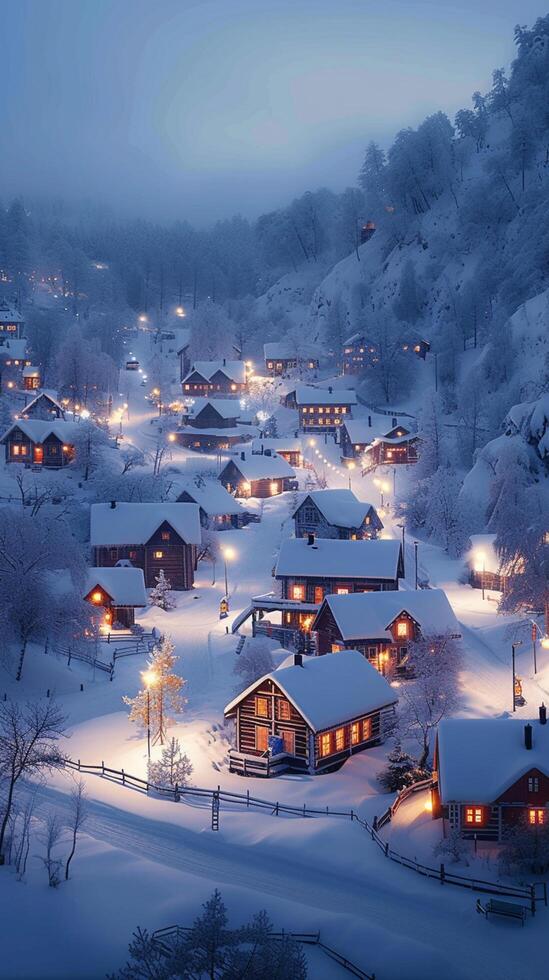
(11, 322)
(360, 351)
(31, 378)
(151, 536)
(385, 437)
(44, 407)
(207, 378)
(13, 361)
(218, 508)
(486, 571)
(309, 716)
(281, 360)
(40, 443)
(311, 568)
(255, 475)
(214, 424)
(119, 591)
(286, 446)
(323, 409)
(383, 624)
(392, 450)
(490, 773)
(336, 514)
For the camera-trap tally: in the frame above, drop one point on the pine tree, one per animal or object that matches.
(150, 706)
(173, 768)
(160, 595)
(401, 770)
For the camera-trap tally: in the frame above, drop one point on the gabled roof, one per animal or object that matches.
(129, 523)
(353, 338)
(39, 429)
(125, 586)
(14, 348)
(234, 370)
(43, 395)
(283, 444)
(479, 758)
(8, 315)
(360, 431)
(307, 395)
(31, 371)
(279, 351)
(377, 559)
(226, 408)
(329, 690)
(212, 498)
(340, 508)
(257, 467)
(368, 615)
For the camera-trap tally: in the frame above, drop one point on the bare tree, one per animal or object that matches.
(29, 737)
(79, 815)
(433, 693)
(51, 837)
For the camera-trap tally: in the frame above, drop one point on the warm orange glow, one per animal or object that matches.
(149, 678)
(536, 816)
(298, 592)
(233, 387)
(274, 488)
(172, 437)
(228, 553)
(402, 628)
(545, 642)
(158, 554)
(428, 806)
(97, 597)
(473, 815)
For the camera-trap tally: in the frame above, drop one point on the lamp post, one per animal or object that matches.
(149, 678)
(415, 556)
(534, 643)
(402, 527)
(517, 643)
(228, 555)
(351, 467)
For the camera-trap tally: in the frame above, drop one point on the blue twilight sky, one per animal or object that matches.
(202, 108)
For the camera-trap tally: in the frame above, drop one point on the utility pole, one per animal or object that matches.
(415, 555)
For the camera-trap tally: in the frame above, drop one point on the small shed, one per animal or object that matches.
(119, 591)
(255, 475)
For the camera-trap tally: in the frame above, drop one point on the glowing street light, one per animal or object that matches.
(172, 437)
(480, 566)
(179, 311)
(351, 466)
(228, 555)
(149, 678)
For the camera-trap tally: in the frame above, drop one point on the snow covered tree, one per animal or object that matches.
(160, 595)
(351, 219)
(401, 770)
(210, 937)
(151, 706)
(254, 662)
(433, 693)
(452, 846)
(212, 332)
(444, 519)
(526, 849)
(90, 442)
(29, 747)
(52, 836)
(173, 768)
(408, 305)
(434, 442)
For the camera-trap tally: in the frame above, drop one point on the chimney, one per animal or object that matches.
(528, 736)
(224, 362)
(370, 421)
(394, 422)
(268, 452)
(310, 539)
(243, 456)
(298, 660)
(542, 714)
(330, 389)
(113, 504)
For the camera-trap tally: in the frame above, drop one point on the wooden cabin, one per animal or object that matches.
(309, 716)
(40, 443)
(119, 591)
(215, 424)
(323, 409)
(336, 514)
(287, 447)
(383, 624)
(393, 450)
(31, 378)
(152, 536)
(218, 508)
(281, 360)
(485, 568)
(44, 406)
(379, 439)
(207, 378)
(13, 361)
(360, 351)
(11, 322)
(491, 773)
(311, 568)
(256, 475)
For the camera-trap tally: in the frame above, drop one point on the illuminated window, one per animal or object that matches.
(340, 739)
(355, 733)
(473, 815)
(165, 535)
(262, 707)
(366, 729)
(233, 387)
(11, 327)
(97, 597)
(402, 628)
(536, 816)
(319, 594)
(325, 743)
(298, 592)
(187, 387)
(533, 784)
(342, 590)
(274, 488)
(158, 554)
(284, 710)
(261, 738)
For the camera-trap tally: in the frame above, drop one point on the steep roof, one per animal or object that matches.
(130, 523)
(367, 615)
(39, 429)
(376, 559)
(479, 758)
(126, 586)
(235, 370)
(257, 467)
(329, 690)
(339, 507)
(307, 395)
(283, 444)
(360, 431)
(212, 497)
(47, 397)
(227, 408)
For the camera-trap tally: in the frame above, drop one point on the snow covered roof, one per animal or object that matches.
(482, 555)
(329, 690)
(31, 372)
(240, 431)
(227, 408)
(307, 395)
(378, 559)
(39, 429)
(125, 586)
(281, 445)
(360, 431)
(7, 315)
(284, 352)
(235, 370)
(479, 758)
(354, 337)
(14, 348)
(212, 497)
(368, 615)
(254, 466)
(129, 523)
(339, 507)
(47, 397)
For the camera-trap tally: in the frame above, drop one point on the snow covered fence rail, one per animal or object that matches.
(404, 794)
(534, 893)
(166, 938)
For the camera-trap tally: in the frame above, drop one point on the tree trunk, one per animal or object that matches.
(21, 659)
(7, 812)
(422, 761)
(71, 855)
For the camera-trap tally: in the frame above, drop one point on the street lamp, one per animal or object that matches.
(351, 467)
(415, 556)
(517, 643)
(228, 555)
(480, 566)
(149, 678)
(402, 528)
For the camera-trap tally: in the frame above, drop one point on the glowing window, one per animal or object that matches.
(340, 739)
(325, 744)
(402, 628)
(284, 710)
(158, 554)
(473, 815)
(261, 738)
(355, 733)
(319, 594)
(298, 592)
(366, 729)
(97, 597)
(165, 535)
(342, 590)
(262, 707)
(536, 816)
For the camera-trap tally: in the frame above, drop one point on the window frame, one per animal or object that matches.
(264, 700)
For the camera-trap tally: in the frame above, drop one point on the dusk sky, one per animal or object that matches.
(199, 110)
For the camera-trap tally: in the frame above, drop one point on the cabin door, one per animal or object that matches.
(38, 455)
(288, 740)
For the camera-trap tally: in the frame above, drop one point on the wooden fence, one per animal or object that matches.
(533, 894)
(131, 648)
(166, 938)
(403, 795)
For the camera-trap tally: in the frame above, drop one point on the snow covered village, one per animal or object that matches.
(274, 491)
